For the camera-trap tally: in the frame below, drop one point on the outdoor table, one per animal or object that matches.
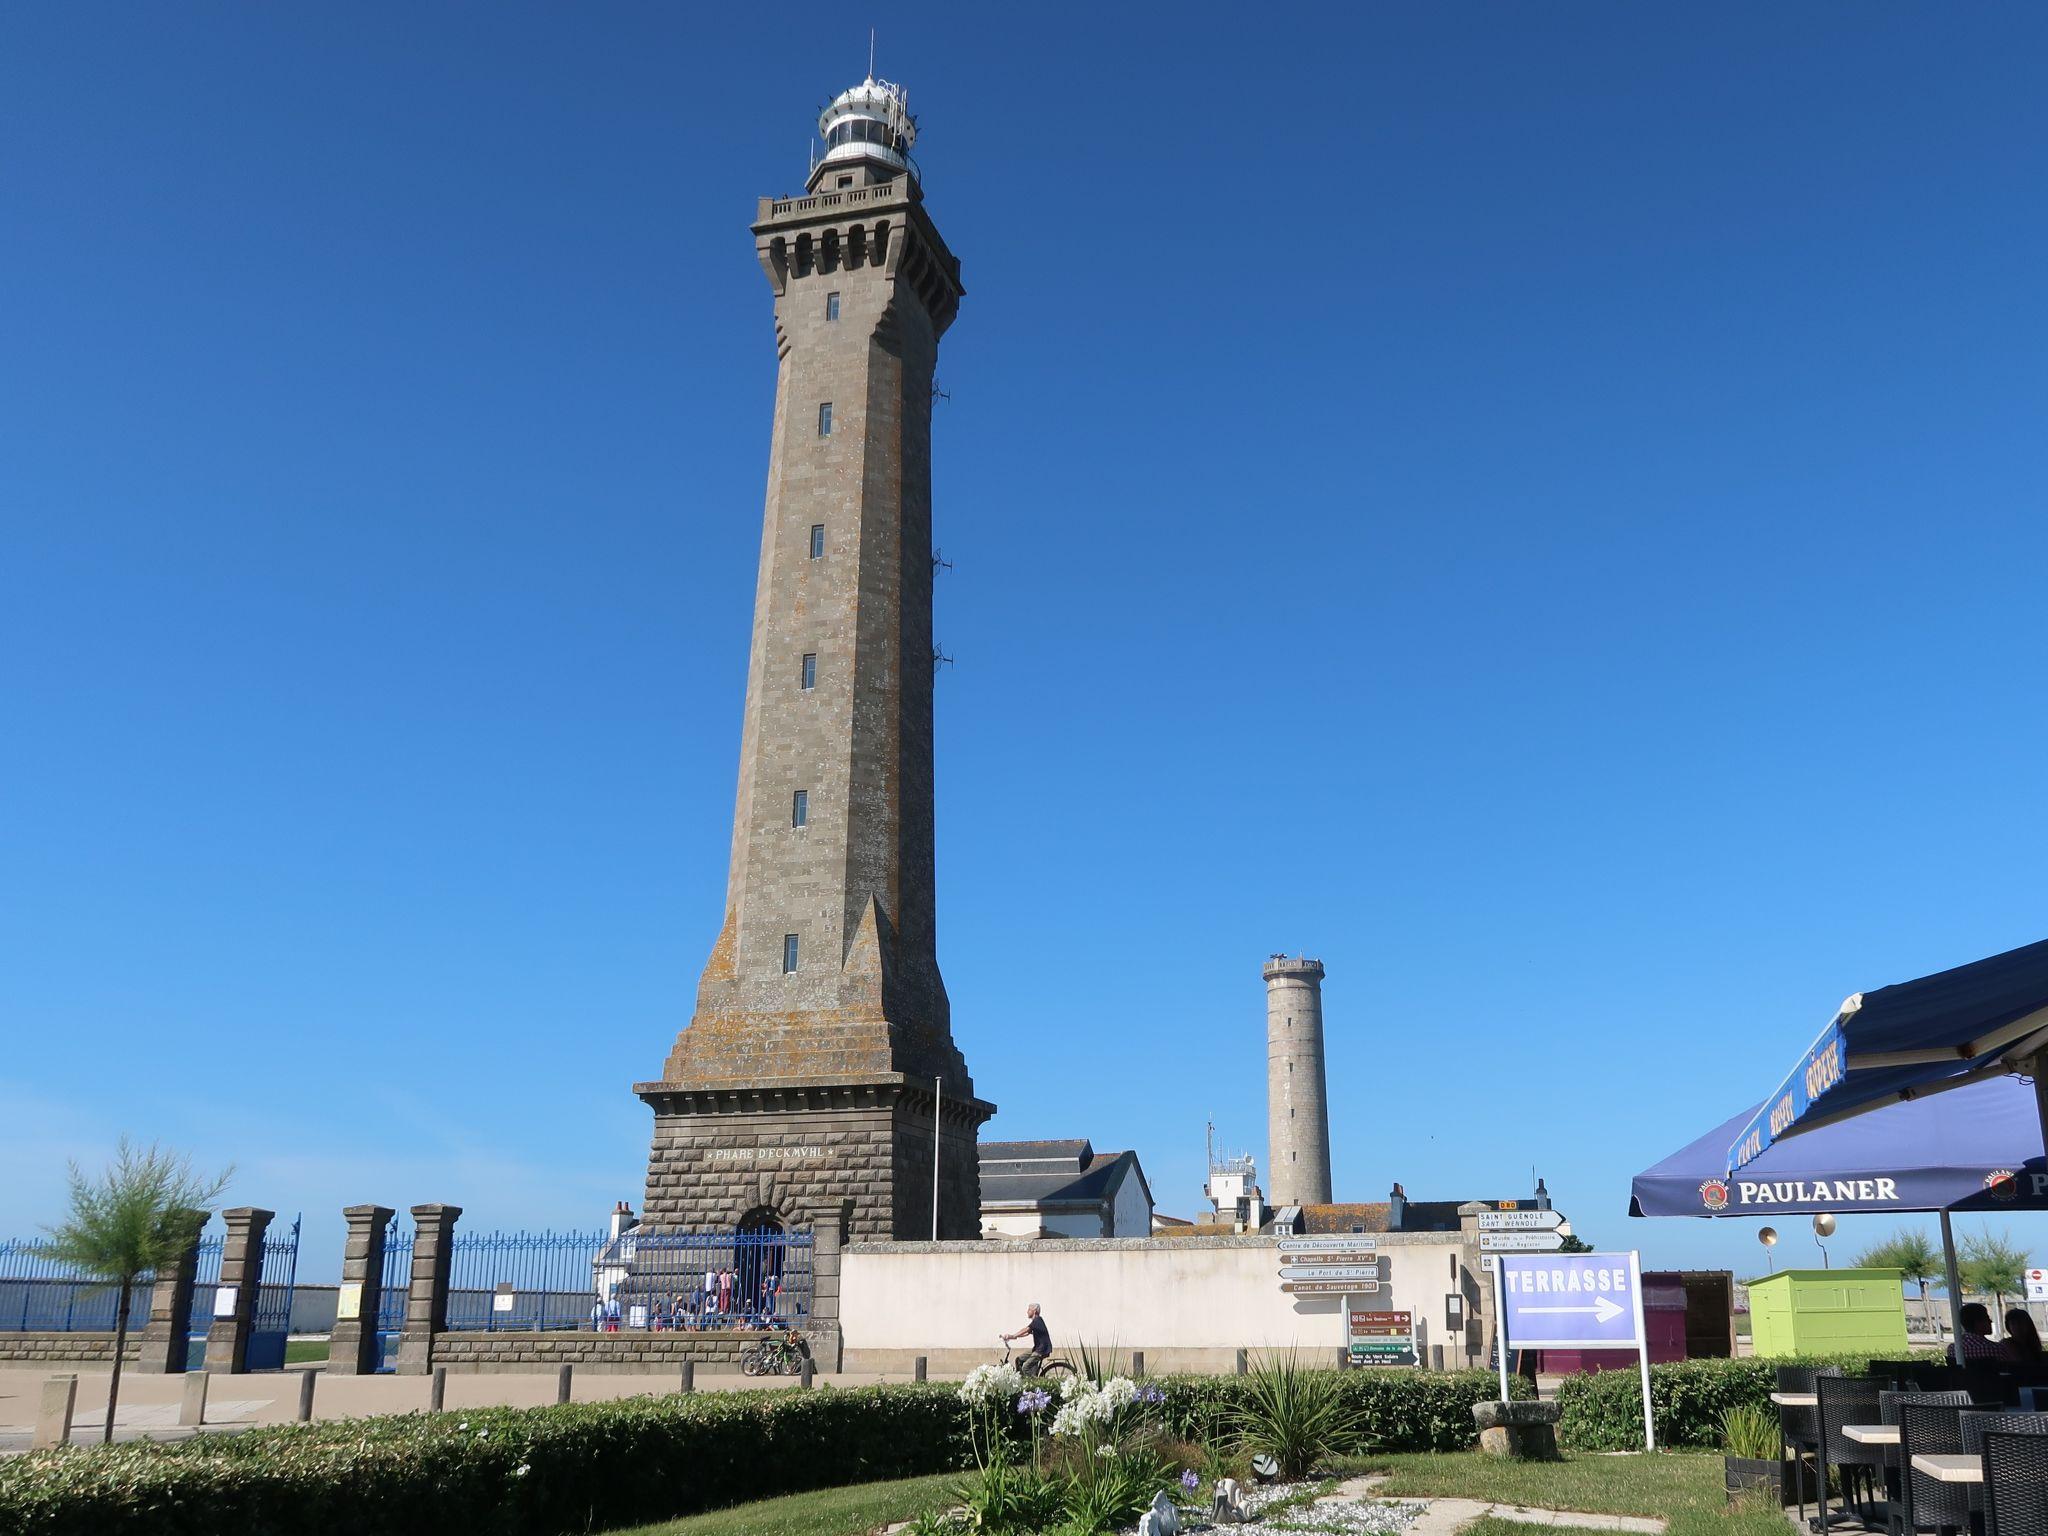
(1796, 1399)
(1872, 1434)
(1951, 1468)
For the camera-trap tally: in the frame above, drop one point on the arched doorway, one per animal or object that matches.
(757, 1268)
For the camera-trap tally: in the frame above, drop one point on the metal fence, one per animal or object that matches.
(524, 1281)
(391, 1298)
(39, 1295)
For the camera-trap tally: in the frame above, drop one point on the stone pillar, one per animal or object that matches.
(353, 1351)
(426, 1299)
(53, 1413)
(241, 1271)
(828, 1346)
(163, 1348)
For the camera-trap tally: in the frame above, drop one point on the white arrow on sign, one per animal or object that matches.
(1502, 1221)
(1522, 1242)
(1602, 1309)
(1331, 1272)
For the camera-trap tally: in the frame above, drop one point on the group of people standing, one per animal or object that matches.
(725, 1299)
(2020, 1346)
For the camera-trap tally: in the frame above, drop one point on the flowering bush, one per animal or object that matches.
(987, 1384)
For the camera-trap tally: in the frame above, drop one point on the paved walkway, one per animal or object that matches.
(149, 1404)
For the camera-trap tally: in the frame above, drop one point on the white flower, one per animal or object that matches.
(990, 1383)
(521, 1471)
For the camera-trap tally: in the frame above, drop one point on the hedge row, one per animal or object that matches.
(1604, 1411)
(495, 1472)
(590, 1466)
(1398, 1410)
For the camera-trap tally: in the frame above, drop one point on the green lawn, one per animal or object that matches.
(1684, 1488)
(299, 1351)
(829, 1512)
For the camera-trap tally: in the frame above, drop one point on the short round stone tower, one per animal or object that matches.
(1297, 1105)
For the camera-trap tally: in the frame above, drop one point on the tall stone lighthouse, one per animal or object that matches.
(1297, 1104)
(818, 1077)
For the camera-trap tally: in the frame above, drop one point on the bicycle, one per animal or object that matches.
(776, 1357)
(1029, 1365)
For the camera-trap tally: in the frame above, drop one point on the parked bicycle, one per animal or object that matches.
(784, 1356)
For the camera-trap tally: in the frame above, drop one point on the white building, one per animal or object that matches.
(1062, 1189)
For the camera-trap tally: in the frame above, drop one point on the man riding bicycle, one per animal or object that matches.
(1033, 1361)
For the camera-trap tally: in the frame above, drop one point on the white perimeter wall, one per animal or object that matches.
(1189, 1303)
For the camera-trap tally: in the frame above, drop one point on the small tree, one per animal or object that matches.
(141, 1215)
(1994, 1266)
(1912, 1253)
(1575, 1244)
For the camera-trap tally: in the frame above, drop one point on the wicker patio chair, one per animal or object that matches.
(2015, 1485)
(1899, 1487)
(1799, 1428)
(1927, 1503)
(1846, 1400)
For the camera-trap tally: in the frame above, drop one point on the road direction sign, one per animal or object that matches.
(1332, 1272)
(2037, 1285)
(1381, 1338)
(1342, 1242)
(1330, 1287)
(1367, 1257)
(1524, 1221)
(1521, 1242)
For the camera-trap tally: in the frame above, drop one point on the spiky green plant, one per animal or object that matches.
(1294, 1413)
(139, 1216)
(1750, 1433)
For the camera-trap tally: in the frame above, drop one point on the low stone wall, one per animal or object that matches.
(65, 1348)
(623, 1352)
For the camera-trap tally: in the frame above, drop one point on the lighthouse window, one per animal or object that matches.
(811, 670)
(788, 954)
(831, 306)
(860, 130)
(817, 540)
(825, 419)
(800, 808)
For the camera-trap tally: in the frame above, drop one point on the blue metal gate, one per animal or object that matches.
(273, 1320)
(205, 1282)
(391, 1299)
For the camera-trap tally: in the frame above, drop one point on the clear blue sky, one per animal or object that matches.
(1541, 507)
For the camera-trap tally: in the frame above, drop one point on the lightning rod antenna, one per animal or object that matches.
(871, 53)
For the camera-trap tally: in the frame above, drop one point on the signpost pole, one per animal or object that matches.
(1635, 1282)
(1500, 1326)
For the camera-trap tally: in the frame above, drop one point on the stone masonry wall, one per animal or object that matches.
(856, 1159)
(65, 1348)
(623, 1352)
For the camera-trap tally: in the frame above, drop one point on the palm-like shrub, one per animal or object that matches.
(1295, 1414)
(141, 1215)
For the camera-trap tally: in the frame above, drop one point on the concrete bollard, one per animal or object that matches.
(1242, 1362)
(192, 1407)
(689, 1375)
(437, 1394)
(917, 1369)
(810, 1369)
(306, 1380)
(53, 1415)
(562, 1383)
(1137, 1365)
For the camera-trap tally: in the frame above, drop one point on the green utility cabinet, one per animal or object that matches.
(1828, 1312)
